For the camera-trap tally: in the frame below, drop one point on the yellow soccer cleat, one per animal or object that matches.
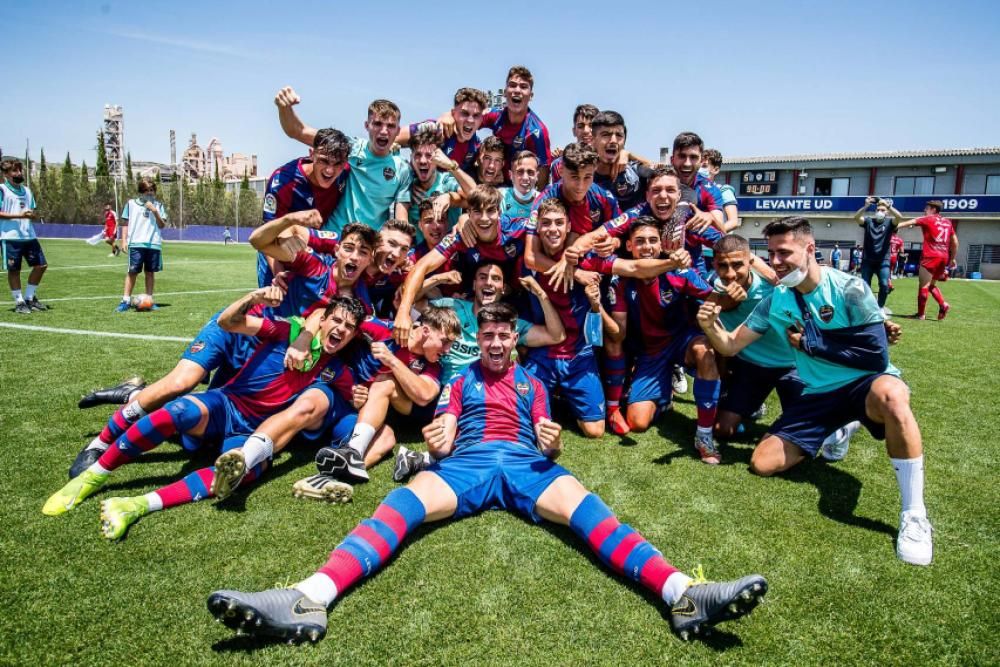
(71, 495)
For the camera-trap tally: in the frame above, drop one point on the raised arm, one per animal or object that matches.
(440, 435)
(729, 343)
(650, 268)
(859, 215)
(430, 262)
(421, 389)
(553, 332)
(266, 237)
(235, 319)
(291, 124)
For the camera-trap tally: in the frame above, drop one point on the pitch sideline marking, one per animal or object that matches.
(119, 296)
(84, 332)
(125, 265)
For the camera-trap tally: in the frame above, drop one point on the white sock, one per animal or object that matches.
(318, 588)
(132, 395)
(910, 477)
(154, 500)
(427, 458)
(16, 293)
(29, 292)
(674, 587)
(257, 448)
(98, 469)
(97, 443)
(133, 412)
(361, 437)
(705, 431)
(126, 298)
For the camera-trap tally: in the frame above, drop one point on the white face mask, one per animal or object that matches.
(795, 278)
(880, 215)
(704, 172)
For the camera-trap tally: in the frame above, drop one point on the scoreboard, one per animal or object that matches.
(759, 183)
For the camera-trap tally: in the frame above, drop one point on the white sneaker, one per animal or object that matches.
(835, 447)
(914, 544)
(679, 380)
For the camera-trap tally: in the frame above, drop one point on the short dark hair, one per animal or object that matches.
(397, 225)
(731, 243)
(10, 164)
(576, 156)
(369, 236)
(423, 137)
(713, 157)
(471, 95)
(645, 221)
(608, 119)
(491, 144)
(935, 204)
(146, 184)
(334, 143)
(523, 72)
(484, 197)
(688, 140)
(662, 170)
(797, 225)
(588, 111)
(353, 306)
(523, 155)
(424, 206)
(497, 312)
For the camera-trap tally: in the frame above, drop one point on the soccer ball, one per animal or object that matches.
(142, 302)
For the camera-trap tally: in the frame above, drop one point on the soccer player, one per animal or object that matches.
(227, 415)
(624, 174)
(227, 236)
(571, 365)
(583, 133)
(458, 126)
(660, 312)
(686, 160)
(144, 216)
(937, 256)
(378, 177)
(316, 182)
(711, 165)
(111, 230)
(879, 229)
(517, 126)
(896, 260)
(491, 164)
(494, 442)
(429, 182)
(836, 330)
(17, 237)
(517, 199)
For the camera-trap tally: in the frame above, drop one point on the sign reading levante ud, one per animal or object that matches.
(953, 204)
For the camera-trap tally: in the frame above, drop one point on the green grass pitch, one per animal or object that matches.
(492, 589)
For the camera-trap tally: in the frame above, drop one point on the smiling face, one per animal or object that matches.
(382, 132)
(422, 161)
(353, 257)
(583, 130)
(325, 169)
(788, 253)
(337, 329)
(496, 342)
(487, 285)
(644, 242)
(432, 228)
(662, 195)
(524, 174)
(518, 93)
(686, 162)
(575, 183)
(486, 222)
(733, 267)
(490, 167)
(393, 246)
(468, 118)
(553, 230)
(609, 141)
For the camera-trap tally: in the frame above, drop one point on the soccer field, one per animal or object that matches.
(492, 589)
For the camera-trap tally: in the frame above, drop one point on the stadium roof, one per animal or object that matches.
(825, 157)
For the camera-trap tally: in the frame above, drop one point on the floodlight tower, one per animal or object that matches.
(114, 140)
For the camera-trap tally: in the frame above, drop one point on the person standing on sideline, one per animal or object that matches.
(111, 229)
(835, 256)
(144, 217)
(878, 232)
(17, 237)
(227, 236)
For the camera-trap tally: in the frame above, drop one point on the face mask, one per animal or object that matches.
(794, 278)
(880, 215)
(703, 171)
(718, 286)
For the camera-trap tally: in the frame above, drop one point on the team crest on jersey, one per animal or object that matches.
(666, 296)
(309, 200)
(522, 388)
(511, 250)
(418, 365)
(518, 142)
(326, 234)
(270, 203)
(327, 374)
(826, 313)
(197, 346)
(388, 173)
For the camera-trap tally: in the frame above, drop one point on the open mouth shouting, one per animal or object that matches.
(489, 295)
(350, 271)
(333, 341)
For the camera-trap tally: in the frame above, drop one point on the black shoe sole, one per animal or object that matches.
(741, 603)
(242, 617)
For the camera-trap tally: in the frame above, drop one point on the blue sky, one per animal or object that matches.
(752, 78)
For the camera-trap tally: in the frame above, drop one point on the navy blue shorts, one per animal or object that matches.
(215, 349)
(576, 380)
(226, 424)
(15, 251)
(745, 386)
(150, 259)
(810, 418)
(497, 475)
(339, 420)
(653, 379)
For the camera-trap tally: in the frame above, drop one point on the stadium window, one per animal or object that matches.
(831, 187)
(993, 184)
(914, 185)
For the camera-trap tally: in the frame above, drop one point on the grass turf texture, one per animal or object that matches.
(493, 588)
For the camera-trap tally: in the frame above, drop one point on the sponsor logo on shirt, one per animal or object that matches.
(418, 365)
(270, 203)
(445, 395)
(388, 173)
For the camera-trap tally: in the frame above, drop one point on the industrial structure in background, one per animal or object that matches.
(829, 188)
(114, 140)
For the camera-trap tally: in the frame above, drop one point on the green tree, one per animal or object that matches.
(44, 189)
(85, 213)
(68, 201)
(130, 189)
(249, 203)
(103, 187)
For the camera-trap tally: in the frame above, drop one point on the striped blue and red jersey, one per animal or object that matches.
(263, 386)
(708, 196)
(288, 191)
(313, 284)
(530, 135)
(694, 241)
(572, 307)
(462, 152)
(366, 368)
(505, 249)
(382, 290)
(598, 206)
(494, 407)
(661, 309)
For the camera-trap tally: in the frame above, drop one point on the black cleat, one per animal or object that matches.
(22, 308)
(117, 395)
(87, 457)
(408, 463)
(344, 464)
(35, 304)
(283, 613)
(706, 603)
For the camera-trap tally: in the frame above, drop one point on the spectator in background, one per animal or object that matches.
(879, 229)
(227, 236)
(855, 266)
(835, 256)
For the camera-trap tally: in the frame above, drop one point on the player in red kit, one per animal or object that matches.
(937, 257)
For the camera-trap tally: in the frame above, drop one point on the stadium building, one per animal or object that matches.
(829, 188)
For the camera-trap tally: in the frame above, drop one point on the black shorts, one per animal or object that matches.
(14, 251)
(746, 386)
(149, 259)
